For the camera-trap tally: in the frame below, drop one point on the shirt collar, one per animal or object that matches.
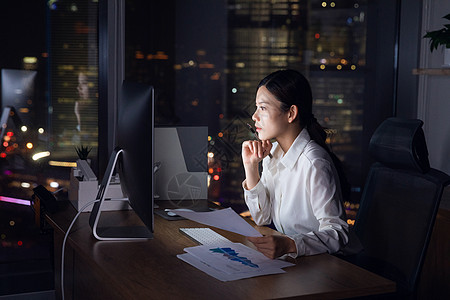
(292, 155)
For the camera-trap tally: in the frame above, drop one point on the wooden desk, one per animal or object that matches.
(151, 270)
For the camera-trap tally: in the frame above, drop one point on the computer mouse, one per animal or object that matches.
(171, 213)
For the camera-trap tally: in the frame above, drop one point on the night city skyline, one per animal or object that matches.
(205, 72)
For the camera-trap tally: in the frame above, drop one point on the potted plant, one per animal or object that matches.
(83, 182)
(83, 152)
(441, 37)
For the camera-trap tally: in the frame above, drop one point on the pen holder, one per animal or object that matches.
(81, 192)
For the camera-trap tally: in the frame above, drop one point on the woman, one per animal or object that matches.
(299, 189)
(84, 108)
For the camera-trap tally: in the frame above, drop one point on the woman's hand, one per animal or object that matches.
(254, 151)
(274, 246)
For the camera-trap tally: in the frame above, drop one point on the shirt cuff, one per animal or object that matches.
(259, 187)
(299, 244)
(258, 203)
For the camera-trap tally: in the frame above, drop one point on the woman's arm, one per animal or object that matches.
(256, 195)
(332, 234)
(252, 153)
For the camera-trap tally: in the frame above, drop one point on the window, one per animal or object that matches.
(57, 41)
(205, 59)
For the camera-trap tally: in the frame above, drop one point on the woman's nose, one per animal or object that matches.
(254, 116)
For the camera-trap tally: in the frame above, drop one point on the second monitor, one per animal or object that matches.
(181, 153)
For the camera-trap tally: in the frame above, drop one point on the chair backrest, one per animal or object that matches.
(399, 203)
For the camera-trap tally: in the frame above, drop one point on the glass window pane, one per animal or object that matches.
(206, 58)
(73, 77)
(49, 78)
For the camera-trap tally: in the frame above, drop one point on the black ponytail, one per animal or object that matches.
(316, 132)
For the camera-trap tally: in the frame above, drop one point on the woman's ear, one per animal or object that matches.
(293, 113)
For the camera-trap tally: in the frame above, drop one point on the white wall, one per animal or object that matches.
(434, 91)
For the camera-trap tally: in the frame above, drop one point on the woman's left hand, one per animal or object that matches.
(274, 246)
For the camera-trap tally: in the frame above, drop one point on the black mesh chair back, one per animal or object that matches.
(399, 204)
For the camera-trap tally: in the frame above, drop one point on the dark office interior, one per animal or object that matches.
(367, 61)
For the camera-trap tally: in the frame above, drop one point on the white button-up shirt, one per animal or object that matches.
(299, 191)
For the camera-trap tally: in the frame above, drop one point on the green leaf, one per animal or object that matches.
(439, 37)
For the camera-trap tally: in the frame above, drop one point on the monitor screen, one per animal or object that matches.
(181, 154)
(133, 159)
(18, 91)
(18, 116)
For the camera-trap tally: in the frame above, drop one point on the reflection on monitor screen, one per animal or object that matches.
(18, 91)
(181, 153)
(17, 116)
(133, 159)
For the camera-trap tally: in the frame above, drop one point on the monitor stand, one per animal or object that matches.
(6, 113)
(123, 233)
(4, 120)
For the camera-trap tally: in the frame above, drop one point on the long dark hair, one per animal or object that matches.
(290, 87)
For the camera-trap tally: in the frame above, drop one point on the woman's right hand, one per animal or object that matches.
(254, 151)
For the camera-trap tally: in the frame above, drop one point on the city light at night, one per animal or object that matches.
(40, 155)
(204, 74)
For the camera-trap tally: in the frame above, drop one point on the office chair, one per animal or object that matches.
(399, 205)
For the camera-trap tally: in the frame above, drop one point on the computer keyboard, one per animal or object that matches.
(204, 236)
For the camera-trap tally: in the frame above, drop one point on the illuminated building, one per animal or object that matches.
(215, 72)
(324, 42)
(73, 50)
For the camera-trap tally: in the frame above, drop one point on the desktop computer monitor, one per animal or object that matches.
(18, 92)
(133, 159)
(18, 110)
(181, 155)
(18, 96)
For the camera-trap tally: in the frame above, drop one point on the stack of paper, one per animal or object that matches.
(231, 261)
(226, 219)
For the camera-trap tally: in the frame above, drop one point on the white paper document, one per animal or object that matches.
(226, 219)
(232, 261)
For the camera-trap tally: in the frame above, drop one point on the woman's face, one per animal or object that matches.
(83, 87)
(270, 121)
